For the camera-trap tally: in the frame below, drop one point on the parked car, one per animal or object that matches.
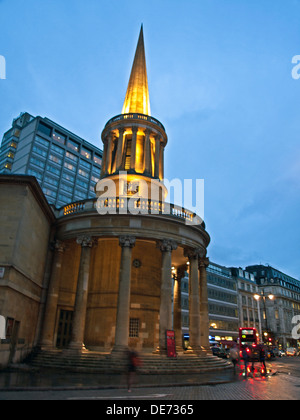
(291, 351)
(220, 352)
(281, 353)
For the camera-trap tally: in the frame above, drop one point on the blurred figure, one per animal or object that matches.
(262, 358)
(234, 355)
(246, 358)
(133, 363)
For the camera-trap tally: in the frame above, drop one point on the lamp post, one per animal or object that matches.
(262, 295)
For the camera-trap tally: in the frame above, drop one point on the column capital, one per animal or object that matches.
(193, 253)
(134, 129)
(167, 245)
(127, 241)
(86, 241)
(121, 130)
(147, 131)
(110, 135)
(203, 262)
(58, 246)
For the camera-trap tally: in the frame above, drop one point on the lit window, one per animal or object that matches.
(70, 167)
(83, 173)
(98, 160)
(55, 159)
(73, 145)
(71, 156)
(59, 137)
(86, 153)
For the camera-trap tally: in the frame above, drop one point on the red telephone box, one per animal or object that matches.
(171, 346)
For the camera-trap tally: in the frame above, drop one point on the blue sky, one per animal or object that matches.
(220, 81)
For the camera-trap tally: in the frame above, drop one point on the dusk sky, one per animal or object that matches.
(220, 81)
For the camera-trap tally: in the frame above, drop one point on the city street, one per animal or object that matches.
(282, 383)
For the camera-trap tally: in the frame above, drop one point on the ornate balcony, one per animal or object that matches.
(134, 206)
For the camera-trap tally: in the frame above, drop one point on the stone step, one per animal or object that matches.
(105, 363)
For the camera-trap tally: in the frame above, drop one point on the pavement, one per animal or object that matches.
(22, 377)
(25, 384)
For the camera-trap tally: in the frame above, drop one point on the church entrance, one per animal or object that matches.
(64, 329)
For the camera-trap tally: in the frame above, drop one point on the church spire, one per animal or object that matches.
(137, 95)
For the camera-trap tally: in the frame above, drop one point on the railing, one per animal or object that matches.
(134, 206)
(134, 116)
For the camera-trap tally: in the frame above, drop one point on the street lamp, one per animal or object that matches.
(264, 297)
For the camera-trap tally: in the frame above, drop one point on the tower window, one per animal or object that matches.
(128, 155)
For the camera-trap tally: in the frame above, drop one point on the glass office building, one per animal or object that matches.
(66, 166)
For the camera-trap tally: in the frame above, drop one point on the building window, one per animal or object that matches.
(85, 164)
(53, 170)
(39, 151)
(82, 183)
(73, 145)
(97, 160)
(70, 167)
(68, 177)
(66, 188)
(51, 181)
(35, 173)
(83, 173)
(86, 153)
(49, 192)
(57, 149)
(55, 159)
(37, 162)
(59, 137)
(72, 157)
(41, 141)
(134, 327)
(45, 129)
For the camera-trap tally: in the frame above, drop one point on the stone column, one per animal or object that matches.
(194, 304)
(104, 158)
(78, 324)
(147, 153)
(157, 156)
(161, 162)
(165, 314)
(120, 149)
(133, 149)
(52, 297)
(204, 317)
(108, 163)
(177, 317)
(123, 308)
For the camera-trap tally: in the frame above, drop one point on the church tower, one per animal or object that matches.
(134, 142)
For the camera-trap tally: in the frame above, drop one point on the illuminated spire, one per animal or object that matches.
(137, 95)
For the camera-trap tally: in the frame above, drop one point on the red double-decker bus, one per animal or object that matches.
(248, 338)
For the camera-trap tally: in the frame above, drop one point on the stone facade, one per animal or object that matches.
(26, 220)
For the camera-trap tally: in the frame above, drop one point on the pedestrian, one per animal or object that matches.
(245, 357)
(234, 354)
(133, 363)
(262, 358)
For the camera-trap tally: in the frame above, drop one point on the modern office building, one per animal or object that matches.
(279, 302)
(66, 166)
(222, 303)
